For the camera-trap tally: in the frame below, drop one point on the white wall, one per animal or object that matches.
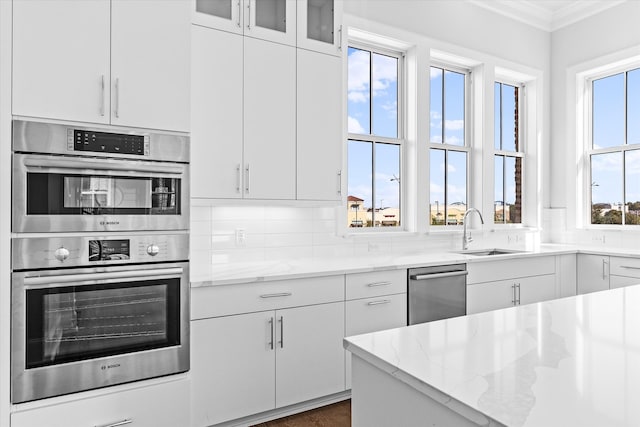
(593, 41)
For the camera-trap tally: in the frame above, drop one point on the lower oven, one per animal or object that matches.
(80, 326)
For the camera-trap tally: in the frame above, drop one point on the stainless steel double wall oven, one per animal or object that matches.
(100, 272)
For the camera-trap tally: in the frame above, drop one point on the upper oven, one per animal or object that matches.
(73, 179)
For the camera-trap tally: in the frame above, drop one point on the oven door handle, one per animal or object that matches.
(40, 282)
(103, 165)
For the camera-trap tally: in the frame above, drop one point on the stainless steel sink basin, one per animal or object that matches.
(490, 252)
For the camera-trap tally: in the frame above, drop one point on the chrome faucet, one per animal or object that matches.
(467, 239)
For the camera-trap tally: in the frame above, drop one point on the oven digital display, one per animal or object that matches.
(108, 250)
(103, 142)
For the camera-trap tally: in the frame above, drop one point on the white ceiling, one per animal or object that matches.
(548, 15)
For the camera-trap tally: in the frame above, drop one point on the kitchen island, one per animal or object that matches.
(568, 362)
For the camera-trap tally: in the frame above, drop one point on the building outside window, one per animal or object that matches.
(508, 154)
(614, 151)
(448, 146)
(375, 137)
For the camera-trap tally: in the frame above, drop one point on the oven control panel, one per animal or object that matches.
(78, 251)
(105, 142)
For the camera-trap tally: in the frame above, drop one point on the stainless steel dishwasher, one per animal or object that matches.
(436, 293)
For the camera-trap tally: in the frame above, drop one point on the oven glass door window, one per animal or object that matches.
(69, 194)
(73, 323)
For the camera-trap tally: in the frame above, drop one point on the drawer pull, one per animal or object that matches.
(373, 285)
(117, 423)
(383, 301)
(631, 267)
(281, 294)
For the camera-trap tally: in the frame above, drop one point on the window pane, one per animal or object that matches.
(496, 116)
(385, 96)
(513, 190)
(456, 186)
(358, 92)
(633, 107)
(632, 187)
(454, 108)
(509, 116)
(359, 184)
(436, 187)
(436, 105)
(606, 188)
(387, 185)
(499, 190)
(608, 111)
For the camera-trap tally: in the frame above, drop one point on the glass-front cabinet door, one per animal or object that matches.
(273, 20)
(320, 25)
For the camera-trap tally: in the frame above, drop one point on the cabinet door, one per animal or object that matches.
(537, 288)
(319, 126)
(223, 15)
(320, 25)
(373, 314)
(269, 120)
(273, 20)
(310, 357)
(490, 296)
(61, 59)
(216, 114)
(593, 273)
(150, 61)
(232, 367)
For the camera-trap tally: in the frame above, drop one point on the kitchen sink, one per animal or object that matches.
(490, 252)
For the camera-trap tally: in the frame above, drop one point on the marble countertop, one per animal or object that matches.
(569, 362)
(235, 273)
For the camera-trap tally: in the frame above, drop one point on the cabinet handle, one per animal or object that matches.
(631, 267)
(604, 262)
(340, 38)
(518, 288)
(271, 329)
(249, 15)
(117, 98)
(247, 173)
(384, 301)
(117, 423)
(102, 97)
(239, 14)
(281, 332)
(238, 179)
(339, 182)
(373, 285)
(281, 294)
(513, 294)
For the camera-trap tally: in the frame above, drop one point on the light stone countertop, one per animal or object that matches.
(569, 362)
(249, 272)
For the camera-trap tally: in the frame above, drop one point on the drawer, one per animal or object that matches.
(364, 285)
(629, 267)
(160, 405)
(492, 271)
(375, 314)
(225, 300)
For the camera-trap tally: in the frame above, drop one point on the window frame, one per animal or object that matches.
(400, 141)
(521, 153)
(589, 151)
(466, 147)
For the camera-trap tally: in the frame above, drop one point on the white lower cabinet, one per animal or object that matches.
(624, 272)
(159, 405)
(247, 363)
(593, 273)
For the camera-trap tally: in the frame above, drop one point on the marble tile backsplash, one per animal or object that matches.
(240, 234)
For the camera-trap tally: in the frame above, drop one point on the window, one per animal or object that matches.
(614, 153)
(375, 138)
(449, 150)
(508, 157)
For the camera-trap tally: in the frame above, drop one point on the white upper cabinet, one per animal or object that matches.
(61, 65)
(273, 20)
(112, 62)
(320, 26)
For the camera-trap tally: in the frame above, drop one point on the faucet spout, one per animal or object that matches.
(466, 239)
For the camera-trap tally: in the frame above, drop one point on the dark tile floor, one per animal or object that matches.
(335, 415)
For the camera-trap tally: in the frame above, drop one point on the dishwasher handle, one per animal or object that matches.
(438, 275)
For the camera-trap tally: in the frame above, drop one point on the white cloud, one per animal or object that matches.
(358, 97)
(454, 124)
(451, 168)
(435, 73)
(354, 126)
(453, 140)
